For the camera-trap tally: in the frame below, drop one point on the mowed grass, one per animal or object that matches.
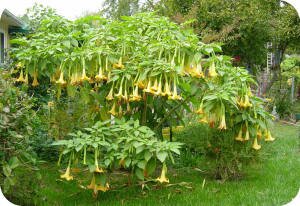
(274, 180)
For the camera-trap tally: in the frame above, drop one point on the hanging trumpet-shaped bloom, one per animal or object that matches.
(197, 71)
(67, 175)
(212, 70)
(113, 110)
(269, 137)
(159, 90)
(148, 89)
(35, 81)
(119, 95)
(119, 65)
(154, 88)
(21, 77)
(100, 75)
(167, 89)
(255, 145)
(222, 123)
(135, 95)
(141, 85)
(97, 170)
(83, 76)
(125, 97)
(61, 80)
(240, 102)
(247, 102)
(247, 136)
(239, 137)
(175, 96)
(110, 97)
(26, 78)
(163, 177)
(93, 186)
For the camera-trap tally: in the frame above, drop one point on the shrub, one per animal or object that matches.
(215, 150)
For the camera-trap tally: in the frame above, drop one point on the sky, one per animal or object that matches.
(70, 9)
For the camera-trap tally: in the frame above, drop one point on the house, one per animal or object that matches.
(9, 24)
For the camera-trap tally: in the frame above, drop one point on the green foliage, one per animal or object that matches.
(214, 151)
(123, 144)
(15, 129)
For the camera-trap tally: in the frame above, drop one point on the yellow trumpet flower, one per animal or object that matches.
(141, 85)
(83, 76)
(135, 95)
(159, 90)
(100, 75)
(119, 65)
(67, 175)
(212, 70)
(167, 89)
(239, 137)
(247, 102)
(21, 77)
(247, 136)
(258, 133)
(175, 96)
(255, 145)
(26, 78)
(125, 97)
(92, 185)
(110, 97)
(148, 89)
(163, 177)
(35, 81)
(120, 94)
(61, 80)
(223, 123)
(113, 110)
(269, 137)
(154, 88)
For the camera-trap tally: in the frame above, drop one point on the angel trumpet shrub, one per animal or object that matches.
(113, 110)
(35, 81)
(163, 178)
(212, 70)
(255, 145)
(239, 137)
(268, 136)
(100, 76)
(120, 94)
(21, 77)
(61, 80)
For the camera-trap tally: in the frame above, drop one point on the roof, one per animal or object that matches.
(11, 19)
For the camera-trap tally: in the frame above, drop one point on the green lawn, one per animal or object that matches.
(272, 181)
